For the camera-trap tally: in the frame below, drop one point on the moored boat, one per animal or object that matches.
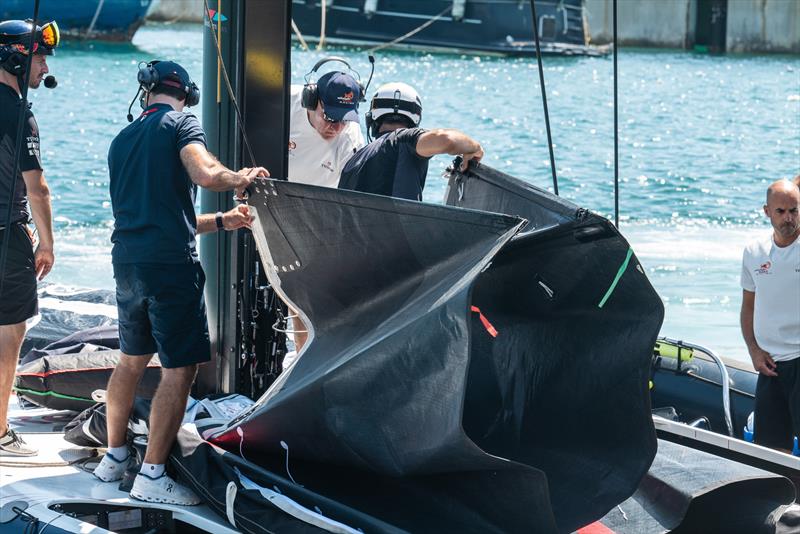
(494, 26)
(112, 20)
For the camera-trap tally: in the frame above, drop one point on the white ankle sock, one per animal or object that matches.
(152, 470)
(119, 453)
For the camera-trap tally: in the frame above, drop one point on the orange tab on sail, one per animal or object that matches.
(486, 324)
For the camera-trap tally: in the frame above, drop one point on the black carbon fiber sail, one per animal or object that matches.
(404, 381)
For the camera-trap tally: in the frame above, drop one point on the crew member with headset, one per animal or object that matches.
(323, 134)
(22, 183)
(155, 166)
(323, 125)
(396, 163)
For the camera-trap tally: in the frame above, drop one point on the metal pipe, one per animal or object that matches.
(726, 388)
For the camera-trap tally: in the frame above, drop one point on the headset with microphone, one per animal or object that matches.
(167, 73)
(310, 96)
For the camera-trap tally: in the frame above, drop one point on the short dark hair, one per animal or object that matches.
(167, 90)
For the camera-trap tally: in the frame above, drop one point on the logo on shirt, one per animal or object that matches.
(33, 146)
(292, 145)
(328, 165)
(764, 269)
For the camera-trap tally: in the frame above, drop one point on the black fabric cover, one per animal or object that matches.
(565, 387)
(104, 337)
(549, 422)
(687, 491)
(89, 428)
(64, 311)
(66, 381)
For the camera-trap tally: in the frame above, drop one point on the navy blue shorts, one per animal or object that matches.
(18, 302)
(777, 409)
(161, 309)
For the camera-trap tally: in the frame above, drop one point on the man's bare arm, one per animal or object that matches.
(762, 361)
(207, 172)
(449, 141)
(238, 217)
(39, 200)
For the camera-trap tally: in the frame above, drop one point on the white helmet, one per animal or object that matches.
(395, 98)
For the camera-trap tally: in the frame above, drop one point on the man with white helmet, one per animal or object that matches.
(396, 162)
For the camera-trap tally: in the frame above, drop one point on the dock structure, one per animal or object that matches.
(703, 25)
(737, 26)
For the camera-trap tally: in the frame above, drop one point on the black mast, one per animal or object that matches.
(254, 48)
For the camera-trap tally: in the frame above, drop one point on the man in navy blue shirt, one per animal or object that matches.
(155, 165)
(23, 266)
(396, 163)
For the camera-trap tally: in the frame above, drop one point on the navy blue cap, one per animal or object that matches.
(339, 93)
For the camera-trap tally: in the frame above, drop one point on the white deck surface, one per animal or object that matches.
(48, 478)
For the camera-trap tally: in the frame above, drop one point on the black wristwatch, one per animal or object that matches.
(218, 219)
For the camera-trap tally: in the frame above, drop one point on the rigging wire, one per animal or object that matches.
(412, 32)
(23, 108)
(616, 123)
(234, 101)
(544, 96)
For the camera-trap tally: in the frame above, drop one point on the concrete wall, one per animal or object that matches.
(178, 10)
(752, 25)
(663, 23)
(763, 25)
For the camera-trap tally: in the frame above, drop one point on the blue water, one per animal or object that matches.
(701, 137)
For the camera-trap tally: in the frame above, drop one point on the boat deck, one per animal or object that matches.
(61, 475)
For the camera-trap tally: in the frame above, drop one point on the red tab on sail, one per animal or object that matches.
(486, 324)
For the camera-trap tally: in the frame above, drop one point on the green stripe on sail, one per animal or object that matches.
(621, 271)
(50, 394)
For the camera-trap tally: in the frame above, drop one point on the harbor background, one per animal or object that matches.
(701, 138)
(749, 26)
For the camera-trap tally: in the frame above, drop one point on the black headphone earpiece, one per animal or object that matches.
(148, 77)
(15, 64)
(310, 96)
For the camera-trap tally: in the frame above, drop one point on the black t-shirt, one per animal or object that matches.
(388, 166)
(151, 194)
(29, 160)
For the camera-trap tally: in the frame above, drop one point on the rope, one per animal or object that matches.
(299, 36)
(412, 32)
(322, 24)
(94, 19)
(616, 125)
(544, 96)
(228, 84)
(83, 459)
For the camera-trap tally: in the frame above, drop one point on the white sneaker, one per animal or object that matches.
(162, 489)
(110, 469)
(11, 444)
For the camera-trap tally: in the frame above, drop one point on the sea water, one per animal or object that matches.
(701, 137)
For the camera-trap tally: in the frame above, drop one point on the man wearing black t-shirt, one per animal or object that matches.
(23, 266)
(155, 165)
(396, 163)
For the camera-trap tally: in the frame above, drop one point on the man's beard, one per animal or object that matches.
(788, 229)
